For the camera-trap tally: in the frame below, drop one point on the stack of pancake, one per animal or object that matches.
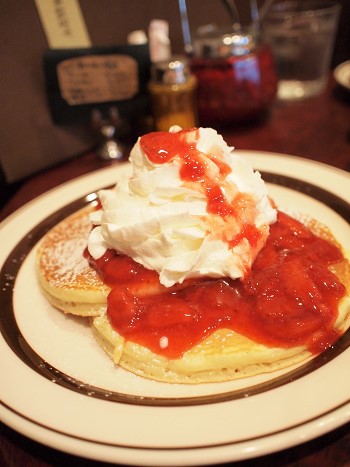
(73, 286)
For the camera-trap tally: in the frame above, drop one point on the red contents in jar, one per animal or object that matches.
(234, 88)
(289, 298)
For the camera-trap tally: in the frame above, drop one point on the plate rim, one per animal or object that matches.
(199, 456)
(28, 205)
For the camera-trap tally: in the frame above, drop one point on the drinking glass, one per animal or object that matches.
(301, 34)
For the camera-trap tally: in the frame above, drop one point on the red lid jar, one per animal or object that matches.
(236, 76)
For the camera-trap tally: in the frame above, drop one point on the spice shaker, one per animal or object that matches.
(236, 76)
(173, 94)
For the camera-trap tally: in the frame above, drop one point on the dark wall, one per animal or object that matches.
(29, 140)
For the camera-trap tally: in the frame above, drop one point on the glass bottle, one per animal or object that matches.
(173, 94)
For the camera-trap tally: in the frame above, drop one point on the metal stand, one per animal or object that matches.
(108, 130)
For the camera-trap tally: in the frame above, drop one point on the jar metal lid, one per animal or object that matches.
(213, 43)
(173, 71)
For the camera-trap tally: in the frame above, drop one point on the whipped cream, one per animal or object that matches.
(189, 210)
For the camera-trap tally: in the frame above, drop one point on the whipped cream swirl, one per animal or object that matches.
(163, 220)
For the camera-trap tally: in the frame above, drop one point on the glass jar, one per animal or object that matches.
(236, 76)
(173, 94)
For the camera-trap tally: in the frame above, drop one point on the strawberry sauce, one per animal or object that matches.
(288, 298)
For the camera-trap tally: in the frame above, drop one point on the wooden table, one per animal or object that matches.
(318, 129)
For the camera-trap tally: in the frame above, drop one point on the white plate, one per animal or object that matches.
(59, 388)
(342, 74)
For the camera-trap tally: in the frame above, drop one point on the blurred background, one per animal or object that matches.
(29, 138)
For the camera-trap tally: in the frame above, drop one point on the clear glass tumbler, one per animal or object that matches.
(301, 34)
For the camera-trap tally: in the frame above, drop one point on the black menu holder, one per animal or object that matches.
(81, 81)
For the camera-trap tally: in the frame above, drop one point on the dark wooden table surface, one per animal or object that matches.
(317, 129)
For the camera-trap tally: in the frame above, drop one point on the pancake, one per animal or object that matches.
(223, 356)
(73, 286)
(64, 274)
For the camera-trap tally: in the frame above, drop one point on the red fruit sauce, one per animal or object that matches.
(288, 298)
